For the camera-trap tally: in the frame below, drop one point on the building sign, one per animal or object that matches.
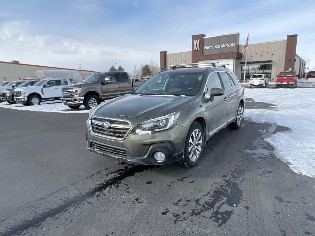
(196, 45)
(221, 44)
(228, 45)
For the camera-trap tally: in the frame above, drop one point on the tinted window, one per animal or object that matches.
(64, 82)
(93, 78)
(214, 81)
(234, 78)
(172, 83)
(286, 74)
(112, 78)
(226, 80)
(257, 76)
(122, 78)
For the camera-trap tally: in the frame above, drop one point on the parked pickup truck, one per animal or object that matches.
(44, 89)
(287, 78)
(96, 88)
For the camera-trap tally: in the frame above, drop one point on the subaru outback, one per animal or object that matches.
(169, 118)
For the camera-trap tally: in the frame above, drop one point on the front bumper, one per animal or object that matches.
(285, 83)
(2, 99)
(140, 149)
(72, 100)
(256, 83)
(20, 99)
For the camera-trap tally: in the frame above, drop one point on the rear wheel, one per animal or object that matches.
(238, 118)
(193, 145)
(33, 100)
(91, 101)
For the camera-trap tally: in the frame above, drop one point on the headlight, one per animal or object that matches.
(161, 123)
(77, 91)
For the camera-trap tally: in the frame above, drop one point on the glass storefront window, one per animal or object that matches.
(251, 69)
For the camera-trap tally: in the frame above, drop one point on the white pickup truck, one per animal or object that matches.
(43, 90)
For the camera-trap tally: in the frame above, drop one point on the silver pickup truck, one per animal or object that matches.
(96, 88)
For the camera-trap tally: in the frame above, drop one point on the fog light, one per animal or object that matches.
(159, 156)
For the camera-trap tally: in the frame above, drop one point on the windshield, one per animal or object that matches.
(93, 78)
(286, 74)
(39, 83)
(10, 83)
(257, 76)
(170, 83)
(26, 83)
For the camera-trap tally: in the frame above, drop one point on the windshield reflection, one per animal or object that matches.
(170, 83)
(93, 78)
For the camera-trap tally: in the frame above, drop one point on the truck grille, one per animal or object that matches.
(68, 93)
(116, 129)
(108, 150)
(17, 94)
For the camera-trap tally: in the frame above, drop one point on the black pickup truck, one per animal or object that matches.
(97, 88)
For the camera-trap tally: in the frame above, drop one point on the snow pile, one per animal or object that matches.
(295, 110)
(49, 106)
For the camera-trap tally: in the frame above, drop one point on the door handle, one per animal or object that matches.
(225, 99)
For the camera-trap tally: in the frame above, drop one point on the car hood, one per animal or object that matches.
(78, 85)
(29, 88)
(144, 106)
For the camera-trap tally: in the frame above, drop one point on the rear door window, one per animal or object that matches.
(122, 78)
(226, 80)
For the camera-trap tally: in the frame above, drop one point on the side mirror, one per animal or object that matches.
(105, 81)
(213, 92)
(216, 92)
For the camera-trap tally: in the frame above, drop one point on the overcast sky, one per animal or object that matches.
(97, 34)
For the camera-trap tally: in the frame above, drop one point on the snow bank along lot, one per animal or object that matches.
(293, 108)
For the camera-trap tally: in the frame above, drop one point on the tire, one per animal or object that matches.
(194, 144)
(74, 106)
(91, 101)
(34, 100)
(238, 117)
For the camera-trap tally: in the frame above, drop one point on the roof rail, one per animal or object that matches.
(202, 65)
(192, 65)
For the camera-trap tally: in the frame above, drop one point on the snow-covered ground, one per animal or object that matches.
(294, 108)
(49, 106)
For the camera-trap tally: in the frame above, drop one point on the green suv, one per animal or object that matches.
(169, 118)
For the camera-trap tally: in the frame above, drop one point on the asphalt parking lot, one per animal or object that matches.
(51, 185)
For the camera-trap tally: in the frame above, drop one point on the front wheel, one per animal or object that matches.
(33, 100)
(91, 101)
(193, 145)
(238, 118)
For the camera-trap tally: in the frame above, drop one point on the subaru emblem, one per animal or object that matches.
(106, 125)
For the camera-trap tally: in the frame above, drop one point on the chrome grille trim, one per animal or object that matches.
(17, 94)
(108, 150)
(110, 128)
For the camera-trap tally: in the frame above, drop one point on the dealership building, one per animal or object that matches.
(15, 70)
(266, 57)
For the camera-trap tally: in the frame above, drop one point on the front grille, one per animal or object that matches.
(3, 95)
(68, 93)
(17, 94)
(108, 150)
(110, 128)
